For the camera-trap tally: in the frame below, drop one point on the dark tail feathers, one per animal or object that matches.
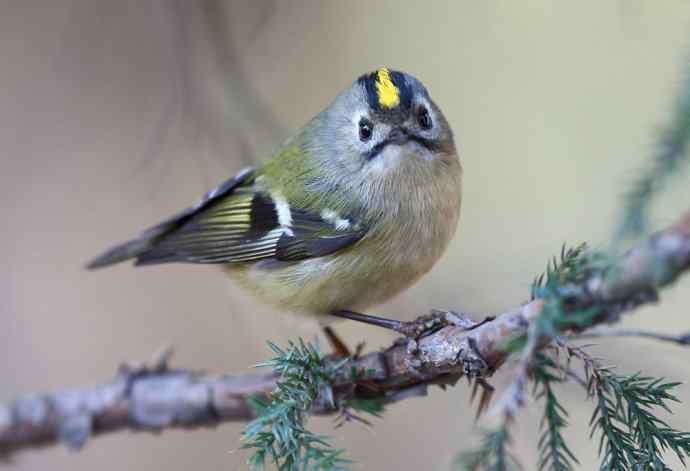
(135, 248)
(120, 253)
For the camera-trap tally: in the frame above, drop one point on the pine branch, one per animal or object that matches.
(574, 266)
(682, 339)
(279, 432)
(558, 289)
(669, 156)
(158, 398)
(631, 435)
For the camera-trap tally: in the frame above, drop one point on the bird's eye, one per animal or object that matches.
(365, 129)
(423, 118)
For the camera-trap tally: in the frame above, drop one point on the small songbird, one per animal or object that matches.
(347, 213)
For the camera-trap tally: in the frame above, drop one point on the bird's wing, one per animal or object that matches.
(235, 223)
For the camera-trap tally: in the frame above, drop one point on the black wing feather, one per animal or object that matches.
(293, 248)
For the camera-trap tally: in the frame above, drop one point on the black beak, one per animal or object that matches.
(397, 136)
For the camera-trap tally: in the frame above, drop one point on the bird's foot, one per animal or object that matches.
(435, 321)
(418, 328)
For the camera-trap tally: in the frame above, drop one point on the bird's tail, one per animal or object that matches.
(135, 248)
(119, 253)
(147, 249)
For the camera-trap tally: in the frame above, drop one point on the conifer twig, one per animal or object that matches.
(682, 339)
(157, 398)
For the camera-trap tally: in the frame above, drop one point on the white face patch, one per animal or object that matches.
(284, 213)
(331, 216)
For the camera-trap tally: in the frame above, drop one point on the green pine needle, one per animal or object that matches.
(571, 267)
(279, 433)
(558, 285)
(492, 453)
(631, 436)
(373, 407)
(554, 454)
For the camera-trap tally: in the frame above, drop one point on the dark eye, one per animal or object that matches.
(365, 129)
(423, 118)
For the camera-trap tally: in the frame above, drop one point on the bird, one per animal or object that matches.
(348, 212)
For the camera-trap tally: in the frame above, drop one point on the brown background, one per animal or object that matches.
(114, 114)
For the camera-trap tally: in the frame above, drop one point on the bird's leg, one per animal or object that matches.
(391, 324)
(420, 327)
(339, 348)
(427, 325)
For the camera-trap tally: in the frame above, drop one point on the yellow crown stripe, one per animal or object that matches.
(389, 94)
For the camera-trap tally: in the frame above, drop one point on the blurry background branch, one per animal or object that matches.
(155, 397)
(682, 339)
(668, 161)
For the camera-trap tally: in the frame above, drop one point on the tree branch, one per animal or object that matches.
(682, 339)
(156, 398)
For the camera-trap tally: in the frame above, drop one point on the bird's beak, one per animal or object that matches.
(397, 136)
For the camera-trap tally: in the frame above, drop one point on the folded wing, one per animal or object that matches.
(236, 223)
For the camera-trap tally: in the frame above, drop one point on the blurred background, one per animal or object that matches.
(114, 115)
